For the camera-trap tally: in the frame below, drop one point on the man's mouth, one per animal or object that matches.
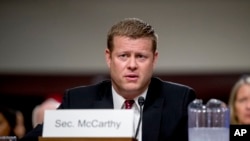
(132, 77)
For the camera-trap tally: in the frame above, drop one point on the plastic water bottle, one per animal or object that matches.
(208, 122)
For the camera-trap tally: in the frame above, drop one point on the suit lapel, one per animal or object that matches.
(152, 112)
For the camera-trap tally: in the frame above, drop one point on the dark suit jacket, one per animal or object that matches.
(164, 113)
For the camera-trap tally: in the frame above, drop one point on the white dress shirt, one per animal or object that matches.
(118, 102)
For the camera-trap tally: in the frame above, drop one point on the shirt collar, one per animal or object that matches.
(118, 100)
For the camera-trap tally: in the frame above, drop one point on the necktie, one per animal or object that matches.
(128, 104)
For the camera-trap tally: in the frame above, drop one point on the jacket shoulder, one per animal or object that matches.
(169, 84)
(85, 96)
(100, 86)
(172, 89)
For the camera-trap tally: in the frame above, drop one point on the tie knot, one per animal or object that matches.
(128, 104)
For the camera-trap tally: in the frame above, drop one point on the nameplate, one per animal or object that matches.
(88, 123)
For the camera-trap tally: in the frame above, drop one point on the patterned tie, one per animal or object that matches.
(128, 104)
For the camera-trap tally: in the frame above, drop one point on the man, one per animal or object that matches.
(131, 56)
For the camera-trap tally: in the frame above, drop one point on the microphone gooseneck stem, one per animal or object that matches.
(141, 103)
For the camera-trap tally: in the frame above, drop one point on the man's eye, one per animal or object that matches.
(123, 56)
(141, 56)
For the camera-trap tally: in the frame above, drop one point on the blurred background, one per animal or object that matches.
(47, 46)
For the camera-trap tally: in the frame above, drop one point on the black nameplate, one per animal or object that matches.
(239, 132)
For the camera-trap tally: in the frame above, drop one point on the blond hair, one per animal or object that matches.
(244, 80)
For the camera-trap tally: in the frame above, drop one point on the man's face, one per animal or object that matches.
(131, 65)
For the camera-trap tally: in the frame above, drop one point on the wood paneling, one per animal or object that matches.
(206, 85)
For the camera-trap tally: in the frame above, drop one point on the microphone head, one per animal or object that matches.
(141, 100)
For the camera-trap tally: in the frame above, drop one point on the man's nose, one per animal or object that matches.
(132, 64)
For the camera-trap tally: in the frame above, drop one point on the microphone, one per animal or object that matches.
(141, 103)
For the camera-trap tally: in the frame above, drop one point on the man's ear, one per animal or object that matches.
(156, 54)
(107, 56)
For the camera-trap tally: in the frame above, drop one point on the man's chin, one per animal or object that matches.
(131, 88)
(131, 85)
